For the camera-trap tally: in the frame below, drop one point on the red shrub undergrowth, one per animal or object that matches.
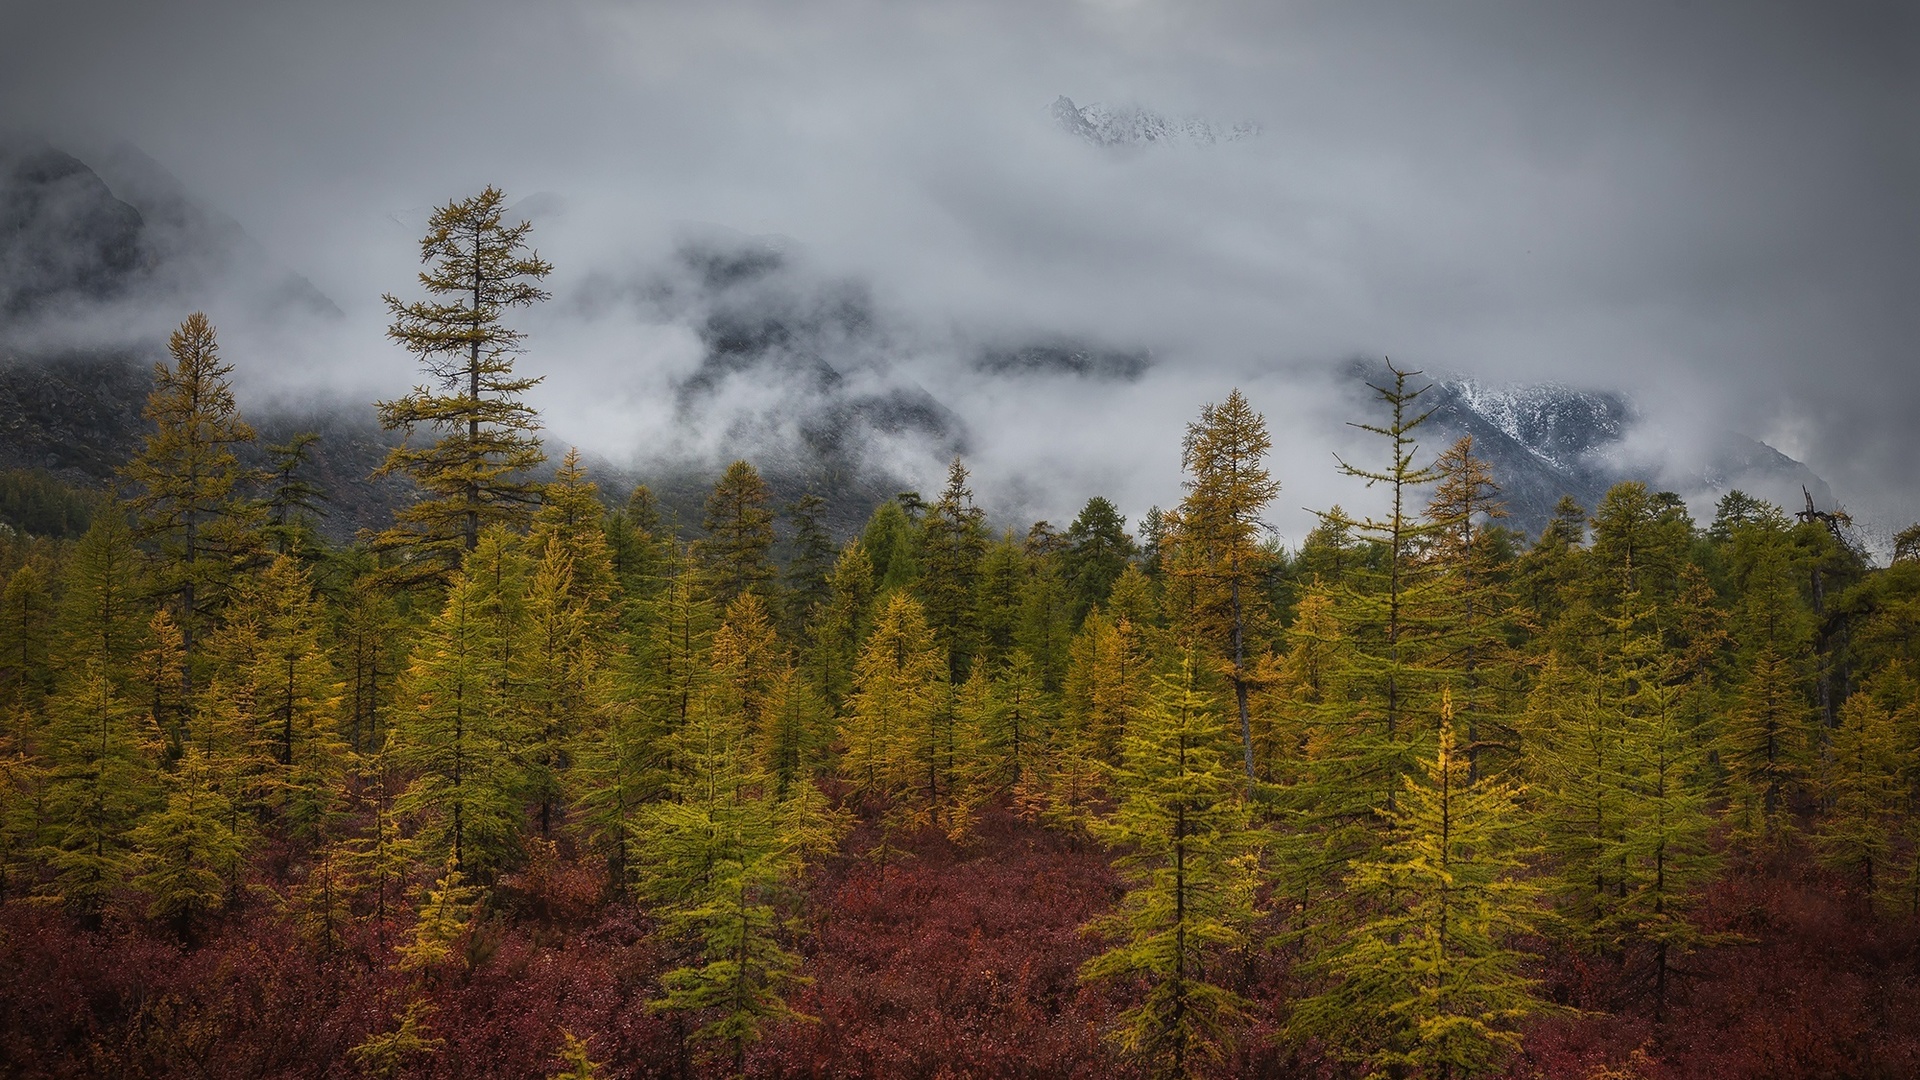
(960, 961)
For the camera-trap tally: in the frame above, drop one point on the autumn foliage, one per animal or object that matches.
(532, 786)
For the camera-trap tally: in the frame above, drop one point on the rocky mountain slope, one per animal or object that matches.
(1548, 440)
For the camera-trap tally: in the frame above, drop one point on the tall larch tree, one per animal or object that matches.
(1474, 627)
(1218, 559)
(188, 486)
(953, 542)
(1388, 612)
(474, 472)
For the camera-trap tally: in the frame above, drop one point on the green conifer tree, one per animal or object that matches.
(1769, 738)
(715, 858)
(1426, 982)
(1474, 628)
(892, 543)
(1663, 850)
(223, 726)
(455, 735)
(842, 627)
(377, 863)
(673, 657)
(101, 609)
(616, 772)
(1864, 788)
(953, 542)
(1099, 551)
(553, 680)
(97, 791)
(810, 565)
(371, 646)
(896, 696)
(639, 542)
(734, 556)
(183, 847)
(1011, 733)
(293, 502)
(997, 601)
(321, 904)
(26, 636)
(1388, 614)
(1044, 618)
(1191, 865)
(272, 643)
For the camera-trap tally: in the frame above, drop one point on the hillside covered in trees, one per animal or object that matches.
(525, 784)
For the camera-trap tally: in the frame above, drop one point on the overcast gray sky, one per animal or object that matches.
(1712, 206)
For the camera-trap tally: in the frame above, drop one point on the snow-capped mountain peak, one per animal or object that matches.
(1108, 127)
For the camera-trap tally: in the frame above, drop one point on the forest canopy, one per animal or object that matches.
(525, 782)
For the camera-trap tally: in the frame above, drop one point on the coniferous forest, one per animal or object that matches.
(530, 782)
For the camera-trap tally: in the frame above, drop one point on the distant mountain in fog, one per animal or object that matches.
(797, 371)
(77, 235)
(1135, 126)
(1545, 440)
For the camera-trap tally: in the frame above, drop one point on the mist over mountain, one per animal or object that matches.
(802, 371)
(64, 238)
(1548, 440)
(104, 251)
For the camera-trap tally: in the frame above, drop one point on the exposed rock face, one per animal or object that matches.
(74, 415)
(1546, 440)
(63, 235)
